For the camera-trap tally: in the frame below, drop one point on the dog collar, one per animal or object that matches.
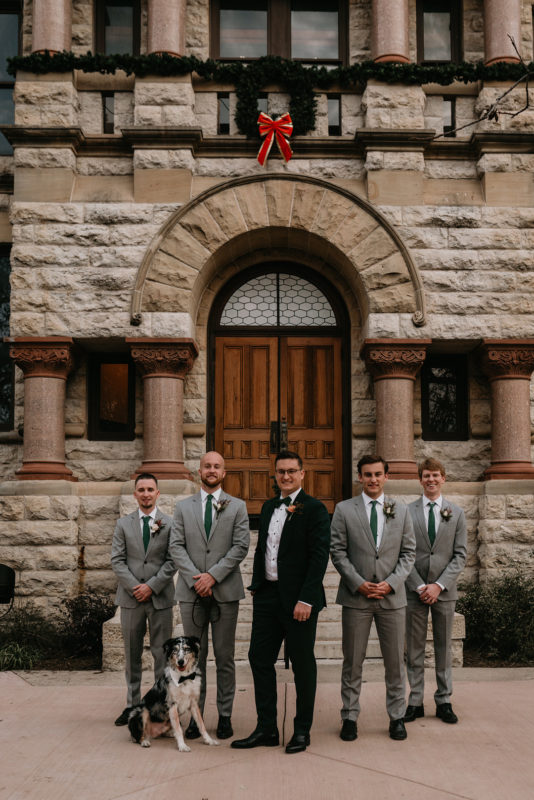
(188, 677)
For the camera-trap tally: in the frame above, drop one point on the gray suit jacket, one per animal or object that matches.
(132, 565)
(443, 561)
(355, 557)
(220, 555)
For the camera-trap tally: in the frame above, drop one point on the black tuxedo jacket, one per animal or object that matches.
(302, 555)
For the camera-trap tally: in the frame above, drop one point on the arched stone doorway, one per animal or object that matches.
(279, 372)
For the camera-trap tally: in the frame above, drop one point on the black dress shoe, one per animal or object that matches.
(257, 738)
(224, 728)
(192, 731)
(413, 712)
(349, 730)
(445, 713)
(298, 743)
(397, 730)
(122, 719)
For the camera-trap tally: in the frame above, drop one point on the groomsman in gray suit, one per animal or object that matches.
(441, 540)
(373, 549)
(144, 568)
(210, 538)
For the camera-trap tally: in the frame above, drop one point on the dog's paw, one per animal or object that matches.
(210, 741)
(145, 743)
(183, 748)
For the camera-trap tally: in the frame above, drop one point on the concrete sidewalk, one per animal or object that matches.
(57, 740)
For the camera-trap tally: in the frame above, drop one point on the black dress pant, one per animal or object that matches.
(271, 622)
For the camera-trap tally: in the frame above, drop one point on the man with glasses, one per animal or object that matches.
(210, 538)
(287, 588)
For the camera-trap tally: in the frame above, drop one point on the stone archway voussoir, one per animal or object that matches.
(183, 246)
(227, 213)
(168, 269)
(307, 200)
(203, 227)
(331, 214)
(391, 271)
(279, 196)
(253, 204)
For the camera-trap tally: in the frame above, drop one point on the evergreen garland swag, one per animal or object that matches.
(250, 79)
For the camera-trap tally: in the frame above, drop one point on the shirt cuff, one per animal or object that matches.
(304, 603)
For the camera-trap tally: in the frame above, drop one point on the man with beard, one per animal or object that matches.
(210, 537)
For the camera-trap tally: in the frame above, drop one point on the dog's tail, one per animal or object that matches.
(135, 723)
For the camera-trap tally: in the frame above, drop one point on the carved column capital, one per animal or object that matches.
(394, 358)
(46, 357)
(508, 358)
(170, 358)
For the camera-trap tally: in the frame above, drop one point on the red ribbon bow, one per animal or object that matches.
(282, 128)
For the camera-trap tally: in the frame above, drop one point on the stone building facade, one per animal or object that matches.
(168, 294)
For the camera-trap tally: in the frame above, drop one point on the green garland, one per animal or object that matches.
(249, 79)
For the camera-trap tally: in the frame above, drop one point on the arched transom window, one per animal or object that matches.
(278, 299)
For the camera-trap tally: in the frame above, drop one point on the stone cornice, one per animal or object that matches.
(508, 358)
(49, 357)
(416, 139)
(163, 358)
(394, 358)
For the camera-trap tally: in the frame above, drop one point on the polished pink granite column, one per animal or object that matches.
(394, 364)
(166, 26)
(163, 364)
(502, 18)
(390, 38)
(46, 363)
(52, 26)
(509, 363)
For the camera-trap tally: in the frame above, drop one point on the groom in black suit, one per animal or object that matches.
(287, 587)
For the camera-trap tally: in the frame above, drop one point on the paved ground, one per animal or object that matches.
(57, 740)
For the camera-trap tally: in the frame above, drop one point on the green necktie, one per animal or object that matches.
(373, 521)
(146, 532)
(208, 515)
(431, 523)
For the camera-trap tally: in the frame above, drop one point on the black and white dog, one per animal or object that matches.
(174, 694)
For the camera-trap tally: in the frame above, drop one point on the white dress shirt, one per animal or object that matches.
(152, 516)
(380, 519)
(215, 498)
(274, 534)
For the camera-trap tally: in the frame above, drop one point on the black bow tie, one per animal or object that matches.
(286, 501)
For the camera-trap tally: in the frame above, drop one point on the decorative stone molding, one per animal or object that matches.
(163, 364)
(163, 357)
(390, 34)
(394, 364)
(46, 363)
(394, 358)
(509, 363)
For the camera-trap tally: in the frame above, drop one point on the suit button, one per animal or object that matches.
(207, 551)
(145, 562)
(376, 556)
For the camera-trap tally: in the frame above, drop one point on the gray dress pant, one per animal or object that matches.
(416, 629)
(356, 625)
(196, 619)
(133, 624)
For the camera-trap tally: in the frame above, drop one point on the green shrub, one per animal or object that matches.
(18, 656)
(81, 626)
(499, 618)
(27, 626)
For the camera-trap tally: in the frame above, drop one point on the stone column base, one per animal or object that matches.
(44, 471)
(402, 470)
(169, 470)
(510, 470)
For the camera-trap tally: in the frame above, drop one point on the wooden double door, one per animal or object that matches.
(274, 393)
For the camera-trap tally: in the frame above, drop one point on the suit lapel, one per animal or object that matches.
(136, 532)
(420, 520)
(215, 517)
(196, 500)
(284, 536)
(364, 522)
(442, 524)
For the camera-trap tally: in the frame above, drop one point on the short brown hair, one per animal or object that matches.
(284, 455)
(372, 458)
(432, 465)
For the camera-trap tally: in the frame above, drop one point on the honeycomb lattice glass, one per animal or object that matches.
(278, 299)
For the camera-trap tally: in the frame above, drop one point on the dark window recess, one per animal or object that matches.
(305, 30)
(334, 115)
(7, 369)
(223, 113)
(439, 31)
(449, 116)
(10, 32)
(108, 112)
(444, 398)
(117, 26)
(111, 398)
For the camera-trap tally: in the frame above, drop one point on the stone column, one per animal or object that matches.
(46, 363)
(166, 27)
(52, 26)
(394, 364)
(163, 364)
(390, 38)
(509, 363)
(502, 18)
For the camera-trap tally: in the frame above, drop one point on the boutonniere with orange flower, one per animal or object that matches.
(294, 508)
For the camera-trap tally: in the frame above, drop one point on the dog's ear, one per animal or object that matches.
(168, 646)
(195, 640)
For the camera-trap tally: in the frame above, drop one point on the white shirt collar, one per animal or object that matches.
(152, 513)
(215, 495)
(368, 499)
(438, 501)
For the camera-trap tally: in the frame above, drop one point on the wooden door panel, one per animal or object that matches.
(246, 379)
